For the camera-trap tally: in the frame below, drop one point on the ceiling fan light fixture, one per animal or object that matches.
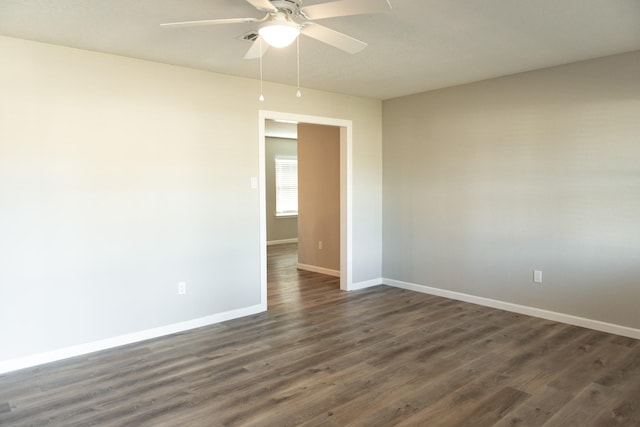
(279, 32)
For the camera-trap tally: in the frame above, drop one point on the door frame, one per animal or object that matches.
(346, 192)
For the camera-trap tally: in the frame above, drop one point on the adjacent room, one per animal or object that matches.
(388, 213)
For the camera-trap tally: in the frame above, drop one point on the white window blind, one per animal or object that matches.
(286, 186)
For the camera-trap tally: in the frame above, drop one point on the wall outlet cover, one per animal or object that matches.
(537, 276)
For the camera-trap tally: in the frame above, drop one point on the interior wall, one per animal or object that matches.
(278, 228)
(319, 196)
(279, 129)
(119, 178)
(486, 182)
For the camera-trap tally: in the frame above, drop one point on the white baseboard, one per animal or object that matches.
(365, 284)
(317, 269)
(79, 350)
(522, 309)
(281, 242)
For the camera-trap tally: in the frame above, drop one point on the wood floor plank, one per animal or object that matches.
(537, 410)
(586, 407)
(323, 357)
(625, 410)
(624, 373)
(421, 393)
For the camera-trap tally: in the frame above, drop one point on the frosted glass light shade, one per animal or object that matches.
(279, 33)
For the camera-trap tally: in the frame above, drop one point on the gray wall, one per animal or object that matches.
(485, 182)
(119, 178)
(278, 228)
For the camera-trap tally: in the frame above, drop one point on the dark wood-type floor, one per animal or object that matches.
(323, 357)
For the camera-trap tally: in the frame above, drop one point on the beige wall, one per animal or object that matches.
(319, 196)
(486, 182)
(119, 178)
(278, 228)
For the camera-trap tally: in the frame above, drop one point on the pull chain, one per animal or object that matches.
(298, 93)
(261, 98)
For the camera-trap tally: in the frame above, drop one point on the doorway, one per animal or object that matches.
(345, 127)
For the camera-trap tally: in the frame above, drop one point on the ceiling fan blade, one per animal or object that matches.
(209, 22)
(257, 49)
(263, 5)
(332, 37)
(345, 8)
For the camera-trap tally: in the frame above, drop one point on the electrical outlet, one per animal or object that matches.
(537, 276)
(320, 244)
(182, 288)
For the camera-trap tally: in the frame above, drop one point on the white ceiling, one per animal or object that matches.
(420, 45)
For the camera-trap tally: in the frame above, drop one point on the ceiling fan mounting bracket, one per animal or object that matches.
(290, 7)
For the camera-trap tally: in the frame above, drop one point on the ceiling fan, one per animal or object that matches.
(286, 19)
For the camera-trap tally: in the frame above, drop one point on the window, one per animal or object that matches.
(286, 186)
